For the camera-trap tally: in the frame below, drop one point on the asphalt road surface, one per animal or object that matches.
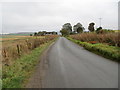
(71, 66)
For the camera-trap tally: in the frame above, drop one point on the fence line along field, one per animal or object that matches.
(15, 46)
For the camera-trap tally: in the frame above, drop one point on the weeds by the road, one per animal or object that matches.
(15, 49)
(15, 76)
(105, 38)
(107, 51)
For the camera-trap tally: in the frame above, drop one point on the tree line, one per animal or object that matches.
(42, 33)
(78, 28)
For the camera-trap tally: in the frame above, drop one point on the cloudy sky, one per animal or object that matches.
(50, 15)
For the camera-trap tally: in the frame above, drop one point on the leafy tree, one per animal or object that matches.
(99, 30)
(41, 33)
(68, 27)
(91, 27)
(78, 28)
(54, 33)
(30, 34)
(35, 34)
(64, 32)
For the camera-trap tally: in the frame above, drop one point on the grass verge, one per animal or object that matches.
(110, 52)
(14, 76)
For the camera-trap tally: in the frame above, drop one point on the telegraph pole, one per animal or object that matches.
(119, 15)
(100, 21)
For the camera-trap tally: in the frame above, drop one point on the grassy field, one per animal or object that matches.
(16, 75)
(19, 57)
(14, 37)
(10, 40)
(13, 49)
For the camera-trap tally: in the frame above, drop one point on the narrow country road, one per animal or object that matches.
(71, 66)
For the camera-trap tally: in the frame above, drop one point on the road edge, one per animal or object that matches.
(40, 69)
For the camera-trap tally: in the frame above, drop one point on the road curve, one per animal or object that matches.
(71, 66)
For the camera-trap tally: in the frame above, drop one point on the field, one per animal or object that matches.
(13, 37)
(15, 46)
(20, 55)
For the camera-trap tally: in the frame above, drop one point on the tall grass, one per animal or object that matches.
(106, 38)
(17, 74)
(107, 51)
(20, 47)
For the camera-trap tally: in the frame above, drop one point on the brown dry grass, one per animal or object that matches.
(13, 49)
(13, 37)
(107, 38)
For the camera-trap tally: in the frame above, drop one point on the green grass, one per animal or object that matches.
(16, 75)
(110, 52)
(0, 78)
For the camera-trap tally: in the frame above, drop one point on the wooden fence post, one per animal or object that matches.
(18, 49)
(5, 54)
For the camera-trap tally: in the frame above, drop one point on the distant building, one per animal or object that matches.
(119, 15)
(50, 33)
(45, 33)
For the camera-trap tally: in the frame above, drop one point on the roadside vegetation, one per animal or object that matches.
(20, 58)
(109, 38)
(110, 52)
(13, 49)
(100, 41)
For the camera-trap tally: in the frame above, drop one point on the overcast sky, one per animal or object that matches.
(50, 15)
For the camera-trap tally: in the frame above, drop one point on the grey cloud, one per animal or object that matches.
(46, 15)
